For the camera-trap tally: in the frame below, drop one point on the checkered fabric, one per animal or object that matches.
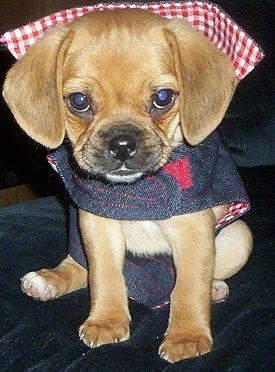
(208, 18)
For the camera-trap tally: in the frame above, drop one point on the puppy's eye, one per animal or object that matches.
(163, 99)
(79, 102)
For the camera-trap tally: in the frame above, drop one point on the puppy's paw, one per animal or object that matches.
(38, 286)
(182, 346)
(95, 333)
(220, 291)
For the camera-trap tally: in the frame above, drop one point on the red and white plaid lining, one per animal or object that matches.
(236, 210)
(206, 17)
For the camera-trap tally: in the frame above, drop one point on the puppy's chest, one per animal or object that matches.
(145, 238)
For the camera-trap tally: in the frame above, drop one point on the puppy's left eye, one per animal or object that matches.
(163, 99)
(79, 103)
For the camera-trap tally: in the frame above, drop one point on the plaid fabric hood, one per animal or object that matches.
(207, 17)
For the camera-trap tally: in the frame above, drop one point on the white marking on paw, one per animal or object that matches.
(220, 291)
(36, 286)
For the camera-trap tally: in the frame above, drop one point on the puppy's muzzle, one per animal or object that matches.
(121, 152)
(125, 145)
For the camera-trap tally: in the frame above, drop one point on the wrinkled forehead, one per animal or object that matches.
(119, 54)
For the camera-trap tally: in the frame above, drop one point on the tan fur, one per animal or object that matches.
(121, 58)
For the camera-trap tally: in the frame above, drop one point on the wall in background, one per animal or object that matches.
(15, 13)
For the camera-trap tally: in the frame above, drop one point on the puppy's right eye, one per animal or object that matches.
(79, 103)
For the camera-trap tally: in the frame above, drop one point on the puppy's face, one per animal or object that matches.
(121, 100)
(124, 86)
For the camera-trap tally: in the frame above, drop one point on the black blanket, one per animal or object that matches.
(37, 336)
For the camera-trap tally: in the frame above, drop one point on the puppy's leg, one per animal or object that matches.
(192, 240)
(233, 247)
(48, 284)
(109, 317)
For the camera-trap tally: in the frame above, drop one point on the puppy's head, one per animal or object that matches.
(124, 86)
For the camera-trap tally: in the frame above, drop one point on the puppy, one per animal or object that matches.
(125, 89)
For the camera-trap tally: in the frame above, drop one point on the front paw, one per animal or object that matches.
(95, 333)
(178, 346)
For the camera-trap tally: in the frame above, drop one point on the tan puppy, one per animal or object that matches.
(99, 75)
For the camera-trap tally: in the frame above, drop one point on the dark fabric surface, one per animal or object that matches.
(37, 336)
(177, 188)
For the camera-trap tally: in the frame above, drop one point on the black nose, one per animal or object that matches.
(123, 147)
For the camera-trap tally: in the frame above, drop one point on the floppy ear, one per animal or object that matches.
(206, 80)
(32, 88)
